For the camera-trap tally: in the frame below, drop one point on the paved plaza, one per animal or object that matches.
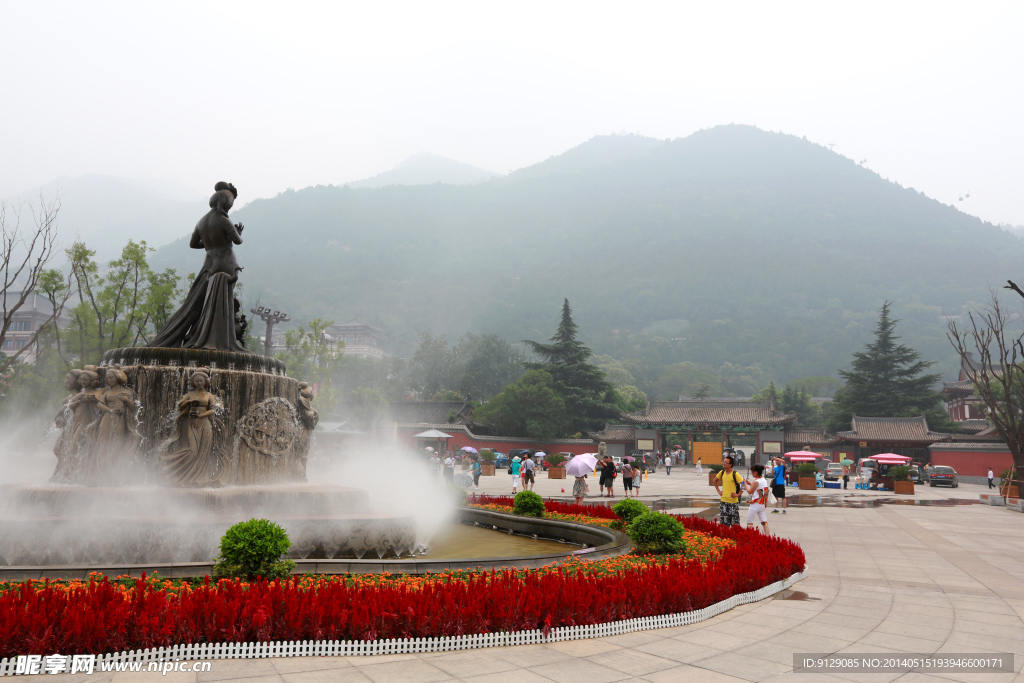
(883, 580)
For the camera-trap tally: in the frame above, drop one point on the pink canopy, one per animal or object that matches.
(804, 456)
(891, 456)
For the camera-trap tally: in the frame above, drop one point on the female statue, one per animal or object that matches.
(207, 319)
(117, 436)
(194, 458)
(308, 417)
(65, 472)
(83, 415)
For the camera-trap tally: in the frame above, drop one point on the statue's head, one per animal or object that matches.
(224, 196)
(306, 391)
(71, 380)
(199, 380)
(89, 379)
(114, 376)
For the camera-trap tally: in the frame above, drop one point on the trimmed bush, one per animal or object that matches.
(254, 548)
(900, 472)
(715, 469)
(806, 469)
(629, 509)
(528, 503)
(656, 533)
(555, 459)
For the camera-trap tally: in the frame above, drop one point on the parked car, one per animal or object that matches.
(501, 460)
(833, 472)
(944, 475)
(915, 474)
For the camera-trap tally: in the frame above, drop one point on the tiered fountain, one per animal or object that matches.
(165, 446)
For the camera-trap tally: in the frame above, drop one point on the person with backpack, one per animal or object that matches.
(779, 485)
(627, 477)
(608, 476)
(727, 484)
(477, 471)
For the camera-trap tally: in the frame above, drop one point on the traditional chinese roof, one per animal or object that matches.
(809, 437)
(965, 386)
(990, 446)
(710, 413)
(968, 363)
(615, 434)
(891, 429)
(972, 426)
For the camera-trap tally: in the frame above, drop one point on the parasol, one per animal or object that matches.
(581, 465)
(470, 449)
(430, 449)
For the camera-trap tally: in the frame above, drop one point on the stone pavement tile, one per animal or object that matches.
(740, 666)
(918, 630)
(534, 654)
(989, 629)
(96, 677)
(900, 617)
(143, 676)
(900, 643)
(286, 665)
(794, 641)
(585, 647)
(384, 659)
(926, 610)
(855, 611)
(789, 676)
(756, 630)
(717, 639)
(685, 672)
(989, 617)
(238, 668)
(513, 676)
(461, 664)
(579, 670)
(845, 620)
(343, 675)
(632, 662)
(849, 633)
(638, 638)
(972, 642)
(404, 672)
(678, 650)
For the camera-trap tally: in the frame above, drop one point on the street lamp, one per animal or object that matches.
(269, 317)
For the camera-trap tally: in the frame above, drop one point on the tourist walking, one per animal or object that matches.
(477, 471)
(513, 469)
(435, 464)
(627, 478)
(758, 490)
(608, 476)
(779, 485)
(700, 466)
(668, 463)
(449, 469)
(638, 478)
(528, 468)
(727, 484)
(991, 478)
(846, 475)
(580, 489)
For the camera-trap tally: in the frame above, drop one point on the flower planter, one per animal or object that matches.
(556, 473)
(904, 487)
(808, 484)
(712, 477)
(1008, 491)
(487, 469)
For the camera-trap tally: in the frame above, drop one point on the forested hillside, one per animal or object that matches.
(731, 246)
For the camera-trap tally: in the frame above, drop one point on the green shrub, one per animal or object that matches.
(806, 469)
(488, 455)
(555, 459)
(900, 472)
(528, 503)
(254, 548)
(656, 533)
(629, 509)
(715, 469)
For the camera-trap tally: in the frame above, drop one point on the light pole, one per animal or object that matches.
(269, 317)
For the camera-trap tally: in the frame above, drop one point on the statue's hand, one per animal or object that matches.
(239, 227)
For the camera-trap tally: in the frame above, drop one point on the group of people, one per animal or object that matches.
(730, 487)
(523, 469)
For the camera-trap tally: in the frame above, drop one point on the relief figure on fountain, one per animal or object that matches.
(195, 458)
(117, 436)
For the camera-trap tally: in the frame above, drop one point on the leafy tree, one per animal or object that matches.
(446, 395)
(702, 392)
(434, 366)
(629, 399)
(310, 357)
(488, 365)
(817, 386)
(589, 398)
(528, 407)
(887, 379)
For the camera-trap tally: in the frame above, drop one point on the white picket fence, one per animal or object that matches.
(350, 648)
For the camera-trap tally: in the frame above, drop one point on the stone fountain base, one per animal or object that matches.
(71, 525)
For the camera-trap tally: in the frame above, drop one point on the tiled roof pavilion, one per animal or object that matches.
(894, 429)
(711, 414)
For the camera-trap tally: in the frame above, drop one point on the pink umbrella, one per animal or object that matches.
(805, 454)
(891, 456)
(802, 458)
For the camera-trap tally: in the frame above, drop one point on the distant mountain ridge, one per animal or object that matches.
(772, 250)
(427, 169)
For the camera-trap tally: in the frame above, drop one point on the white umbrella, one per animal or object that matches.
(470, 449)
(539, 454)
(581, 465)
(430, 449)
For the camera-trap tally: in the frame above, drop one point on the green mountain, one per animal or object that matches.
(732, 245)
(427, 169)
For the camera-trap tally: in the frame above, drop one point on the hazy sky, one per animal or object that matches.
(291, 94)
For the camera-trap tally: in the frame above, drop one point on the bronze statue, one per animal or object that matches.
(66, 471)
(207, 318)
(116, 438)
(84, 414)
(195, 457)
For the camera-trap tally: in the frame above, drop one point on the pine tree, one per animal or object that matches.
(886, 380)
(589, 398)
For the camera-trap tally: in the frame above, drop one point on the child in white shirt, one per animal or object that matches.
(758, 490)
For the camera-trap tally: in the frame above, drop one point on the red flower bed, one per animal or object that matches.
(104, 616)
